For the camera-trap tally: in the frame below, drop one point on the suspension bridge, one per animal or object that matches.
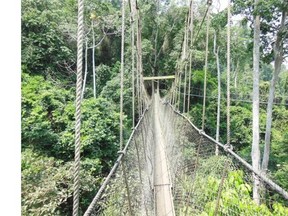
(168, 165)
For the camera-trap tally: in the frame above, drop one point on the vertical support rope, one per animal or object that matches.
(122, 73)
(127, 185)
(138, 59)
(206, 65)
(228, 72)
(194, 175)
(185, 60)
(76, 173)
(121, 103)
(93, 59)
(190, 53)
(133, 67)
(185, 87)
(216, 53)
(86, 68)
(179, 92)
(224, 173)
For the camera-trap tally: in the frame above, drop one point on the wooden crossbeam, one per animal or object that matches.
(159, 77)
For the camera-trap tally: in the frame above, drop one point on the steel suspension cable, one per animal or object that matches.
(209, 2)
(80, 34)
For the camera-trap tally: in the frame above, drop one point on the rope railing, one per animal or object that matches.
(193, 168)
(263, 177)
(115, 167)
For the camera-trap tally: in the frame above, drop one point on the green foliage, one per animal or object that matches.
(47, 185)
(48, 146)
(241, 121)
(105, 73)
(48, 122)
(235, 198)
(42, 111)
(111, 92)
(99, 132)
(270, 12)
(44, 49)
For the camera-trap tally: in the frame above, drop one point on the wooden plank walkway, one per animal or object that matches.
(162, 185)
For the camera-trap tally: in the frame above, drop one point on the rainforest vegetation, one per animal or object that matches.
(49, 30)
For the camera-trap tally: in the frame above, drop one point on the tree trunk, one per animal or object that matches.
(255, 154)
(278, 53)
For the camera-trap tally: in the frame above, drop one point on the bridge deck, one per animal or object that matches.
(162, 185)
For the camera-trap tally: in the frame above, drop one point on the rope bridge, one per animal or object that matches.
(169, 166)
(171, 169)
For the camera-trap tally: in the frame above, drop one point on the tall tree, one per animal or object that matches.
(278, 57)
(255, 154)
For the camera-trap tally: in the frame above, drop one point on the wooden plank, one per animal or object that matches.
(159, 77)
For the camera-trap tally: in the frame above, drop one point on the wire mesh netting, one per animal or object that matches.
(210, 184)
(201, 182)
(130, 189)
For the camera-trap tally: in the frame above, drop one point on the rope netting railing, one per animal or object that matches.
(137, 158)
(208, 184)
(200, 182)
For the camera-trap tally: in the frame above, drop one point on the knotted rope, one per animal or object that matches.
(78, 107)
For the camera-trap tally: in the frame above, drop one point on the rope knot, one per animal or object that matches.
(121, 152)
(201, 132)
(228, 147)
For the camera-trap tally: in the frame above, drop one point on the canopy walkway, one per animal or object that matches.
(169, 167)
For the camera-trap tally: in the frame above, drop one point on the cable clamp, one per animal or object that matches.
(121, 152)
(228, 147)
(201, 132)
